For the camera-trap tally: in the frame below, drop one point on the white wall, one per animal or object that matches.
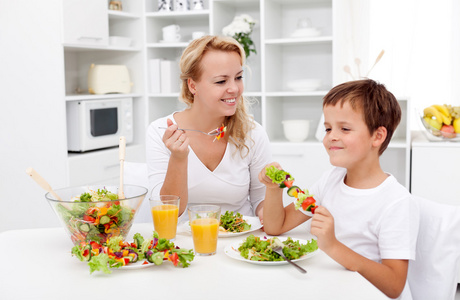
(32, 102)
(421, 39)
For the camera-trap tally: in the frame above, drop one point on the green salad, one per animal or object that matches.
(233, 222)
(94, 216)
(260, 249)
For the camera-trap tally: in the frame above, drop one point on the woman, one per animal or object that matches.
(200, 168)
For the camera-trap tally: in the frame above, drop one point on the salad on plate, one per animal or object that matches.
(233, 222)
(117, 253)
(260, 249)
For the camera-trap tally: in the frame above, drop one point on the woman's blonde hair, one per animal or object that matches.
(239, 124)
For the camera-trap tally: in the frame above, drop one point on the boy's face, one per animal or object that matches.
(347, 140)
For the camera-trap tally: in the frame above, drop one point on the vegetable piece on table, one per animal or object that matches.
(116, 253)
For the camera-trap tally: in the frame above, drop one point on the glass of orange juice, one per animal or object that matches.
(204, 222)
(165, 211)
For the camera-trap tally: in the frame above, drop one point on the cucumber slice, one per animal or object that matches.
(292, 189)
(84, 227)
(104, 220)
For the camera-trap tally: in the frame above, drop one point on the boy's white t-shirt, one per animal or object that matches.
(377, 223)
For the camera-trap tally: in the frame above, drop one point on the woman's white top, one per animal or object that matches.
(234, 184)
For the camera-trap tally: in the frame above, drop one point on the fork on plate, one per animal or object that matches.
(279, 250)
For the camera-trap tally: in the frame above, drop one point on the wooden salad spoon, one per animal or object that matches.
(42, 182)
(122, 151)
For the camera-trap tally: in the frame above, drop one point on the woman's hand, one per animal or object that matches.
(265, 179)
(176, 140)
(322, 226)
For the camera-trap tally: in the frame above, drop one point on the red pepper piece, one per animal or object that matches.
(174, 258)
(308, 202)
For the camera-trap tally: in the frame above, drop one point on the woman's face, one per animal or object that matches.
(220, 86)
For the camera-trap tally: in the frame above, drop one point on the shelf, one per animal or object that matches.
(303, 40)
(168, 45)
(296, 94)
(83, 97)
(113, 14)
(183, 15)
(85, 48)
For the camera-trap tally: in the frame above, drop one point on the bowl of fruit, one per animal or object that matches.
(96, 213)
(441, 122)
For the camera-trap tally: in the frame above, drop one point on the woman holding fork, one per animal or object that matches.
(203, 168)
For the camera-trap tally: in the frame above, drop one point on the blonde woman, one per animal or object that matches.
(198, 167)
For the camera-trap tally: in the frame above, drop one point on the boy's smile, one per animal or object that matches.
(347, 140)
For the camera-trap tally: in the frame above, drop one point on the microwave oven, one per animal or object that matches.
(97, 124)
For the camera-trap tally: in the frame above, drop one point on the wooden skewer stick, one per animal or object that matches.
(42, 182)
(122, 148)
(376, 61)
(348, 71)
(358, 64)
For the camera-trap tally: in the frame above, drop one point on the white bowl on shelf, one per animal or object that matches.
(304, 85)
(296, 131)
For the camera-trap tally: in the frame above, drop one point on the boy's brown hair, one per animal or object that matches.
(378, 105)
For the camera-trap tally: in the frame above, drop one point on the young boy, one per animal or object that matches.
(365, 220)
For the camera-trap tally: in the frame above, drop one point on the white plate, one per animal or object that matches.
(232, 251)
(253, 221)
(136, 265)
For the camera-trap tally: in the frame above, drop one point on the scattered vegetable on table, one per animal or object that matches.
(116, 253)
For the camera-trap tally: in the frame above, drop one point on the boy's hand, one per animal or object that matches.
(264, 178)
(322, 226)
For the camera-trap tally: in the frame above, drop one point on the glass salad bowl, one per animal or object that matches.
(94, 212)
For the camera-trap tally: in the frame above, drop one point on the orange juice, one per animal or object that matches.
(204, 232)
(165, 220)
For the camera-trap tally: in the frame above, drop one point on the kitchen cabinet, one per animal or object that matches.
(85, 22)
(77, 61)
(435, 169)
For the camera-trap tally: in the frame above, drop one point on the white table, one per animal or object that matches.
(37, 264)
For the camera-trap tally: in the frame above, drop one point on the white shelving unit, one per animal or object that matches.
(280, 59)
(77, 59)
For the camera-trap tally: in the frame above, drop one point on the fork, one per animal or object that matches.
(213, 132)
(279, 250)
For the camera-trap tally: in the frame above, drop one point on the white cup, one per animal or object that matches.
(174, 28)
(198, 34)
(171, 37)
(171, 33)
(296, 131)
